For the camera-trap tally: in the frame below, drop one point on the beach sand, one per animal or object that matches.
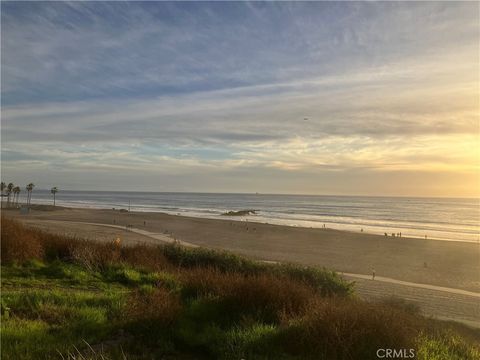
(448, 263)
(443, 263)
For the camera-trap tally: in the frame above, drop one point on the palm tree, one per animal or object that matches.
(16, 192)
(10, 187)
(29, 189)
(54, 190)
(2, 189)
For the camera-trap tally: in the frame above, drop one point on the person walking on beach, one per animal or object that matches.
(373, 274)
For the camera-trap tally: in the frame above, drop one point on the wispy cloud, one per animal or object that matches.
(240, 90)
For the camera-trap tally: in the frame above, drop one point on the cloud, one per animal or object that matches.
(239, 89)
(67, 51)
(377, 103)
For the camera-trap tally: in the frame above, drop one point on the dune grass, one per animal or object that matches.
(75, 299)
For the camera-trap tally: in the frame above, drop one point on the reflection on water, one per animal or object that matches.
(439, 218)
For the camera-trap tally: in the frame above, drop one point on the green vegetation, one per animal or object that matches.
(74, 299)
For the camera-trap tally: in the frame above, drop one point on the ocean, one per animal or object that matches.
(437, 218)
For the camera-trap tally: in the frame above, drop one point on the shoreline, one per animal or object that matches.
(451, 264)
(257, 218)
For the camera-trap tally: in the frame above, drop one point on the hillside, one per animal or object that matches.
(83, 299)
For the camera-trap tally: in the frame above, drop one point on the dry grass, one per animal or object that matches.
(350, 329)
(157, 305)
(272, 296)
(97, 257)
(19, 244)
(146, 257)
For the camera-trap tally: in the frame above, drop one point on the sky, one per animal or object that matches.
(347, 98)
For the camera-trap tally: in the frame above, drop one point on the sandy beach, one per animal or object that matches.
(448, 264)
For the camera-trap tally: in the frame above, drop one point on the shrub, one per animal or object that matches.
(156, 307)
(18, 243)
(337, 328)
(236, 295)
(326, 282)
(95, 256)
(58, 247)
(201, 257)
(145, 257)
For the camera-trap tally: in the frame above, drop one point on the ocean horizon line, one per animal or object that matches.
(265, 193)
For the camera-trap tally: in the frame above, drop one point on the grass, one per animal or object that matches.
(42, 322)
(74, 299)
